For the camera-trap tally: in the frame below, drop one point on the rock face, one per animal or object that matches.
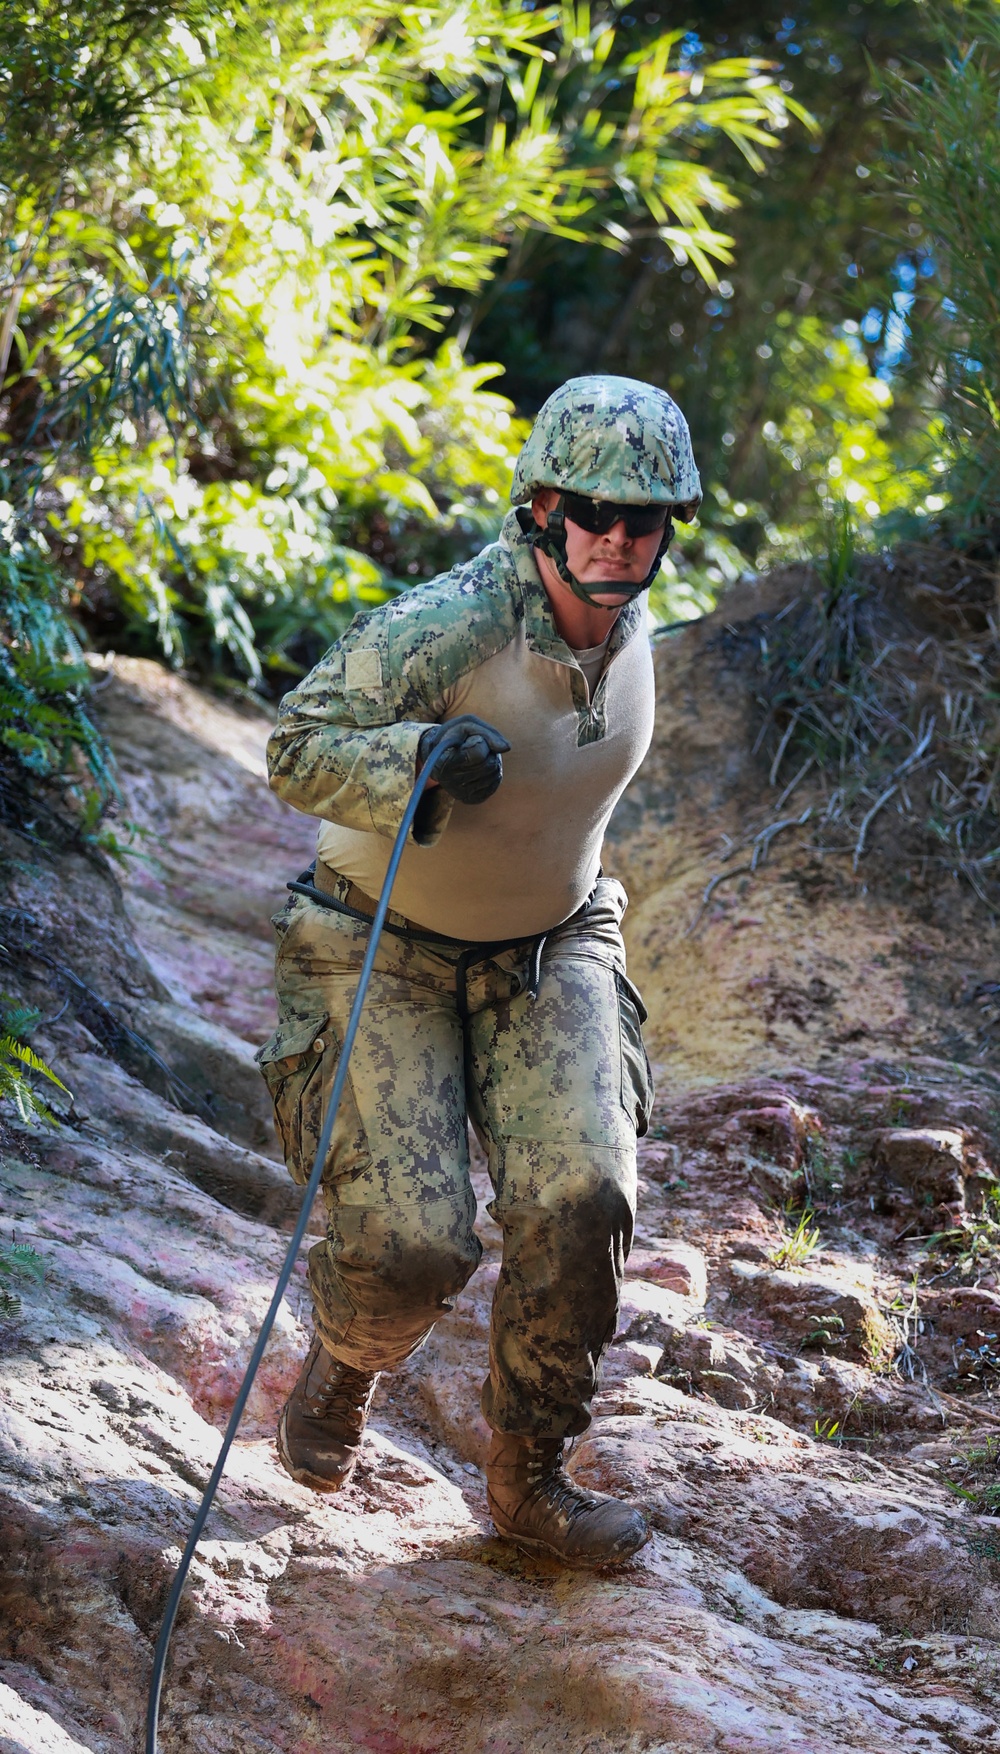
(677, 1266)
(811, 1428)
(922, 1166)
(814, 1311)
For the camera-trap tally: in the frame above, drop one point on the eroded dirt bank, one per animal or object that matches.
(801, 1434)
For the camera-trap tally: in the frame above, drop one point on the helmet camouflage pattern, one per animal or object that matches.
(610, 438)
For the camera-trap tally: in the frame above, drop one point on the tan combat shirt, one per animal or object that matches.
(480, 639)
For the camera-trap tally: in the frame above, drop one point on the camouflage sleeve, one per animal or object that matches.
(340, 748)
(345, 745)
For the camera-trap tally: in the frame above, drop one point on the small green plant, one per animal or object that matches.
(679, 1185)
(17, 1262)
(900, 1109)
(829, 1430)
(827, 1330)
(978, 1483)
(17, 1060)
(117, 841)
(985, 1500)
(796, 1245)
(824, 1177)
(16, 1019)
(974, 1240)
(981, 1549)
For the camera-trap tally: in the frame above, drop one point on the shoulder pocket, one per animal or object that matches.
(367, 688)
(298, 1064)
(637, 1075)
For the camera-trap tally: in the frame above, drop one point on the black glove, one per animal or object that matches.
(472, 769)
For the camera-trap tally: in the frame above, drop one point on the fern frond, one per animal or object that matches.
(12, 1049)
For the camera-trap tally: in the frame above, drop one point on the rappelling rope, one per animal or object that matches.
(309, 1194)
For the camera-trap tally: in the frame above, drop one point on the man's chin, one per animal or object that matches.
(609, 599)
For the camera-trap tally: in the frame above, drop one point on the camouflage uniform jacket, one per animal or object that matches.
(345, 745)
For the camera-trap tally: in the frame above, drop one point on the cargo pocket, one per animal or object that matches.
(637, 1076)
(299, 1064)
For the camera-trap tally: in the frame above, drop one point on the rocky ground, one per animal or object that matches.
(804, 1404)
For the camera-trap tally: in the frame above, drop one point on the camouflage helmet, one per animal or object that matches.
(610, 438)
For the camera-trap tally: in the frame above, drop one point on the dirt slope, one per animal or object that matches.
(815, 1582)
(804, 958)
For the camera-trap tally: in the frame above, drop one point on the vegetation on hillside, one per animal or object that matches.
(880, 682)
(947, 166)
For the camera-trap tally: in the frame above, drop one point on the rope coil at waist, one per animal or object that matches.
(312, 884)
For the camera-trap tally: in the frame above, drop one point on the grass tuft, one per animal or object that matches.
(978, 1477)
(798, 1244)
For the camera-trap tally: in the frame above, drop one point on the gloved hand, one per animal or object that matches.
(472, 769)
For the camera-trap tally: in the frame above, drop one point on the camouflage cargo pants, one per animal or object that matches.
(556, 1087)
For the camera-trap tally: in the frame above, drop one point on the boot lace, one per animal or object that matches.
(344, 1395)
(549, 1480)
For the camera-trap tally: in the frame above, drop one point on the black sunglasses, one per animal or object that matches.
(598, 516)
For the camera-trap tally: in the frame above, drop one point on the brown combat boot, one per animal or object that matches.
(319, 1432)
(534, 1502)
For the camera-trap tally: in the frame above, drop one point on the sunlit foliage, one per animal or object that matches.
(828, 238)
(235, 405)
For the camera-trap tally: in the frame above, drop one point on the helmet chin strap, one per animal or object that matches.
(551, 540)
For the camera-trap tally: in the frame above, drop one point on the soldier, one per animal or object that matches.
(499, 991)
